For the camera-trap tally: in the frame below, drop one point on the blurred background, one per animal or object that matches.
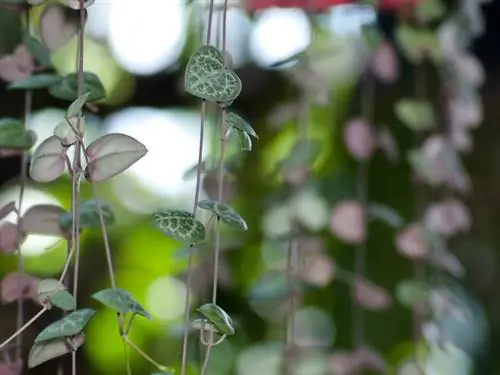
(139, 50)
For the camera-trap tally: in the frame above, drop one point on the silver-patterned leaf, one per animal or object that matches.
(70, 325)
(180, 225)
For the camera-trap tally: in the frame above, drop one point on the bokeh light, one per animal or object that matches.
(166, 309)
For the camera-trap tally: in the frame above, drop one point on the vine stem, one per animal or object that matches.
(23, 328)
(189, 280)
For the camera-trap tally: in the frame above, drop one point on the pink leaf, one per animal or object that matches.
(359, 139)
(370, 296)
(12, 368)
(343, 363)
(9, 240)
(17, 285)
(56, 27)
(411, 243)
(385, 63)
(48, 160)
(318, 269)
(347, 222)
(112, 154)
(18, 66)
(7, 209)
(448, 217)
(43, 219)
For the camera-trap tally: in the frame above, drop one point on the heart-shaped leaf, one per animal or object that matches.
(416, 115)
(218, 317)
(64, 300)
(112, 154)
(38, 51)
(12, 134)
(48, 288)
(67, 88)
(207, 78)
(88, 212)
(47, 163)
(411, 292)
(75, 107)
(43, 219)
(48, 350)
(181, 226)
(225, 213)
(70, 325)
(38, 81)
(120, 300)
(58, 25)
(65, 130)
(235, 121)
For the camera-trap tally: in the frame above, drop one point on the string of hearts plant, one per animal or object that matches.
(208, 76)
(103, 159)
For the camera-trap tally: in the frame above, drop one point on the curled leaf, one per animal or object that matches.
(218, 317)
(235, 121)
(48, 161)
(112, 154)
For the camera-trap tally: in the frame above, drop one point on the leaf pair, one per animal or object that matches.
(207, 77)
(121, 301)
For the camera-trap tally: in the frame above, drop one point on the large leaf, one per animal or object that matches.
(12, 134)
(120, 300)
(48, 163)
(43, 219)
(181, 226)
(88, 212)
(70, 325)
(47, 350)
(207, 78)
(112, 154)
(67, 88)
(218, 317)
(225, 213)
(37, 81)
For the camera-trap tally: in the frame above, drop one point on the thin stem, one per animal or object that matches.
(204, 368)
(23, 328)
(189, 280)
(144, 355)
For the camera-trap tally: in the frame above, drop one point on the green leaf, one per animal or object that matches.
(67, 88)
(387, 215)
(411, 292)
(218, 317)
(75, 107)
(70, 325)
(48, 288)
(47, 350)
(417, 44)
(12, 135)
(38, 81)
(64, 300)
(246, 141)
(416, 115)
(225, 213)
(89, 215)
(430, 10)
(207, 78)
(235, 121)
(120, 300)
(181, 226)
(38, 51)
(303, 152)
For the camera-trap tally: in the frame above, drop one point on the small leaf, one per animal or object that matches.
(48, 162)
(38, 81)
(9, 237)
(38, 51)
(48, 288)
(112, 154)
(67, 89)
(416, 115)
(43, 219)
(64, 300)
(64, 131)
(430, 10)
(70, 325)
(218, 317)
(89, 215)
(370, 296)
(181, 226)
(120, 300)
(225, 213)
(418, 44)
(246, 141)
(235, 121)
(75, 107)
(17, 285)
(12, 135)
(47, 350)
(7, 209)
(387, 215)
(411, 293)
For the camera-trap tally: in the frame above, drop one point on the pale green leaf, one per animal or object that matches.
(218, 317)
(48, 163)
(225, 213)
(75, 107)
(416, 115)
(411, 293)
(180, 225)
(66, 132)
(388, 215)
(235, 121)
(64, 300)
